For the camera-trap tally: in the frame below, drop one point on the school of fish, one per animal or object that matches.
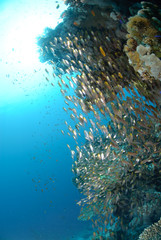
(118, 167)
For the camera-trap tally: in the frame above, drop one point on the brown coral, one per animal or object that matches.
(134, 57)
(143, 46)
(132, 44)
(141, 30)
(152, 233)
(137, 26)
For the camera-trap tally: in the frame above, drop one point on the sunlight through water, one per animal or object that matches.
(21, 23)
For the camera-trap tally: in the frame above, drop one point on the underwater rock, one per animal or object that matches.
(153, 232)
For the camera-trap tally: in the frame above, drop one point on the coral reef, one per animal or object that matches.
(143, 46)
(152, 232)
(82, 44)
(89, 52)
(119, 174)
(150, 61)
(118, 169)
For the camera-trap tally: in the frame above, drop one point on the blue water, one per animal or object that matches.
(32, 150)
(37, 196)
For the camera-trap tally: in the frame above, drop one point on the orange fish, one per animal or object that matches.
(93, 13)
(102, 51)
(75, 24)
